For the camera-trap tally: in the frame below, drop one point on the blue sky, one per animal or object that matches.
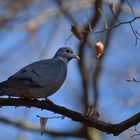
(19, 48)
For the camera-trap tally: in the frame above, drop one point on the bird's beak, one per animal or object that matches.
(76, 56)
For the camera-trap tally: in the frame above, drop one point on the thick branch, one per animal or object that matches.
(114, 129)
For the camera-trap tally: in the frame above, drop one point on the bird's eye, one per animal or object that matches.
(68, 51)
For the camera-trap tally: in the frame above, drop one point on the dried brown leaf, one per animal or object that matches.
(43, 121)
(111, 6)
(99, 46)
(76, 32)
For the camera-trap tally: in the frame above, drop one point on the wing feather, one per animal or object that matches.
(38, 74)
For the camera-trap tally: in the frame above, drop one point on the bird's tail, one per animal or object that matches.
(3, 89)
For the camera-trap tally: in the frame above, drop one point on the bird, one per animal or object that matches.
(39, 79)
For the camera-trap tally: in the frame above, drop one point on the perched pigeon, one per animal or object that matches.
(39, 79)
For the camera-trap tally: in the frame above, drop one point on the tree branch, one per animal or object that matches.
(99, 62)
(81, 52)
(119, 24)
(29, 127)
(109, 128)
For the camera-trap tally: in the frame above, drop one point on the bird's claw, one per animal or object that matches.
(48, 100)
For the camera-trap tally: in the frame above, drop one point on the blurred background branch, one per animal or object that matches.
(30, 127)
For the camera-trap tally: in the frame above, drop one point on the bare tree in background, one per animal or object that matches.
(106, 36)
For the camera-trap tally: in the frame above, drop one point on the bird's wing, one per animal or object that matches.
(14, 82)
(38, 74)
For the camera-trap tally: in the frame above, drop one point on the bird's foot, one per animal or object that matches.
(24, 98)
(35, 99)
(9, 96)
(48, 100)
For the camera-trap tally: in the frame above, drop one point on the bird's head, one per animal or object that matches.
(66, 53)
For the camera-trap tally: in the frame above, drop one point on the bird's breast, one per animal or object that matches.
(60, 73)
(57, 77)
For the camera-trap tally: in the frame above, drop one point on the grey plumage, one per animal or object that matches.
(39, 79)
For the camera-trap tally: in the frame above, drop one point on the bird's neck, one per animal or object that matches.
(65, 60)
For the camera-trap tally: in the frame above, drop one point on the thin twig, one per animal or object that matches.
(135, 130)
(117, 25)
(132, 79)
(105, 20)
(136, 34)
(131, 8)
